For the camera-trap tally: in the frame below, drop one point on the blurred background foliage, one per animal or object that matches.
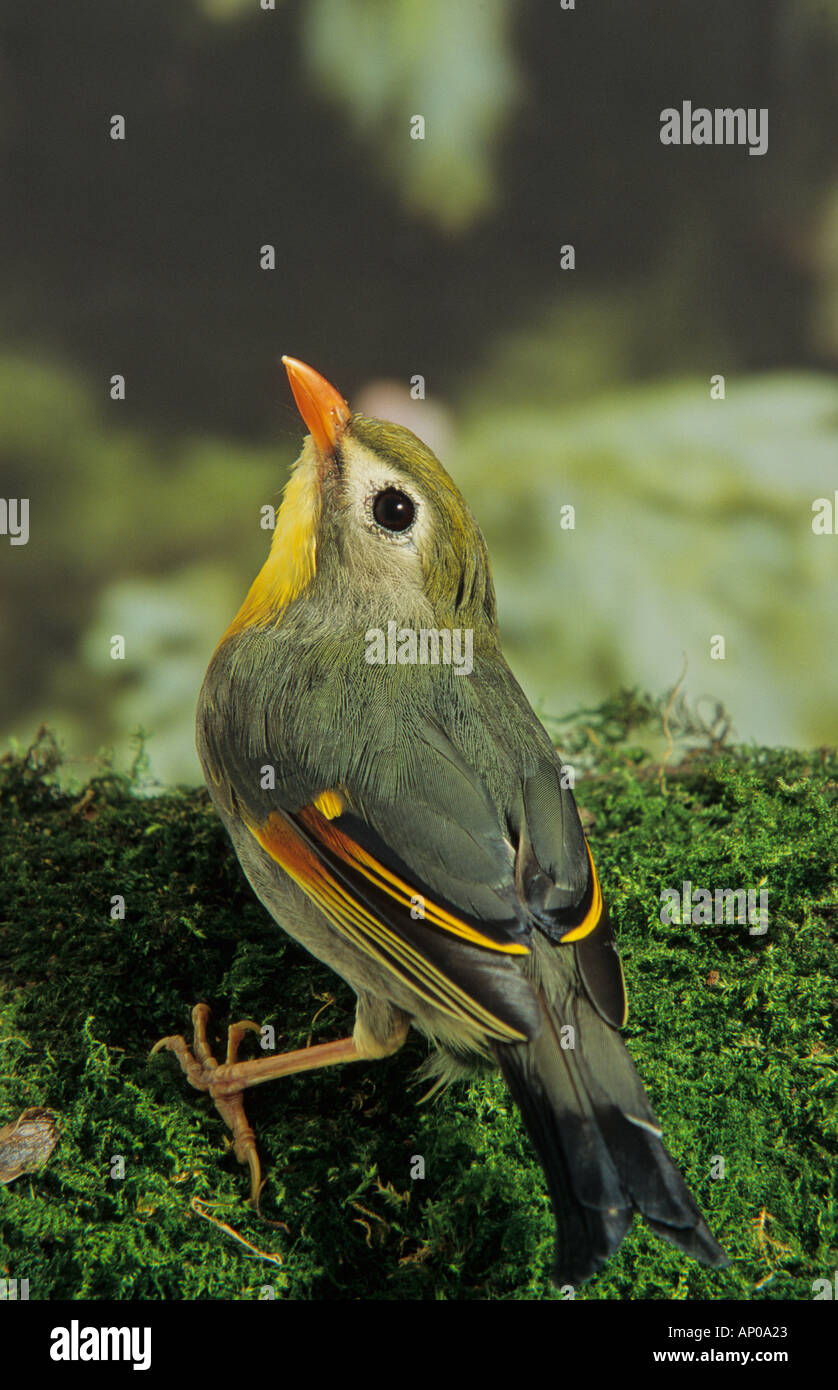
(441, 257)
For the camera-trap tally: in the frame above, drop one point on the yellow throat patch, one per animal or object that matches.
(292, 562)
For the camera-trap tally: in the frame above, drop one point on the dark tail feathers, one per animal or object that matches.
(598, 1141)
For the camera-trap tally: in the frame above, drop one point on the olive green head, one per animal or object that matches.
(371, 522)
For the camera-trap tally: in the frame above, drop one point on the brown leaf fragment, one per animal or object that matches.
(27, 1142)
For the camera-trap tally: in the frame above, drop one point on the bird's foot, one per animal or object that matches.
(227, 1080)
(205, 1074)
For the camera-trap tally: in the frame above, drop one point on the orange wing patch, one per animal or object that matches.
(396, 888)
(364, 926)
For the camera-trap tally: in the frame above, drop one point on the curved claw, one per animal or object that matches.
(236, 1032)
(196, 1072)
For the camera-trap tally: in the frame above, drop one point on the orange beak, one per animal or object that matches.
(323, 409)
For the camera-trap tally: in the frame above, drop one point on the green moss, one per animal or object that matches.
(734, 1035)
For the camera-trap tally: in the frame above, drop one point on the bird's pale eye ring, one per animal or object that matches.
(393, 510)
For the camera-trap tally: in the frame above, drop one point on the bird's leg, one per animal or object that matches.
(226, 1082)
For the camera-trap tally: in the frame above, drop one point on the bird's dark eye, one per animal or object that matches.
(393, 510)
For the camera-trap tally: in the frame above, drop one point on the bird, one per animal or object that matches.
(400, 811)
